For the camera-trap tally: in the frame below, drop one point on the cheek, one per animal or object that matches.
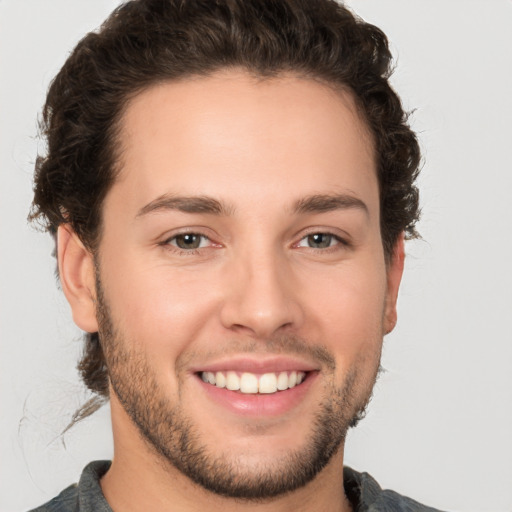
(160, 309)
(348, 313)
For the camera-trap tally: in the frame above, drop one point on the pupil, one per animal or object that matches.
(188, 241)
(319, 240)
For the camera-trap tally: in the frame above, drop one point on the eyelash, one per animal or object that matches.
(168, 245)
(340, 242)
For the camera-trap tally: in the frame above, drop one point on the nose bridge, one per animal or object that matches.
(261, 296)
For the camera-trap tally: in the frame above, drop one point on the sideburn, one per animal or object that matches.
(92, 366)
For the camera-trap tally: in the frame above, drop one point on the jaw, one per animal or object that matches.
(210, 452)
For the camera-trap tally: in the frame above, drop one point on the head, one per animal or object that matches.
(149, 82)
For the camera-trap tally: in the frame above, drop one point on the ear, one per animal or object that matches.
(395, 269)
(77, 276)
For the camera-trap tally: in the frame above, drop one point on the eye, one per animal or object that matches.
(189, 241)
(319, 241)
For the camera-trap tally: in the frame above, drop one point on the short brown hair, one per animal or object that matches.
(144, 42)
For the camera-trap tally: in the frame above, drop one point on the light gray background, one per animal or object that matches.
(440, 425)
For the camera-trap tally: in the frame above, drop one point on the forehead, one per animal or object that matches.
(232, 135)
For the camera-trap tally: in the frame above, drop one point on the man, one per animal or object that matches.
(230, 184)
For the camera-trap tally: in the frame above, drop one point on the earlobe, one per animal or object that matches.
(77, 275)
(394, 277)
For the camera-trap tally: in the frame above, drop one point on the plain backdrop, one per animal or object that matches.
(440, 424)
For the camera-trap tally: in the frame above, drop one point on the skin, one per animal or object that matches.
(259, 147)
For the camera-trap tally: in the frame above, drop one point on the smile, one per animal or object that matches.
(252, 383)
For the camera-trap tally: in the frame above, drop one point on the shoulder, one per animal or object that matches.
(66, 501)
(366, 495)
(86, 496)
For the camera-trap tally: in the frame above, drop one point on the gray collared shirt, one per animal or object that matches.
(362, 490)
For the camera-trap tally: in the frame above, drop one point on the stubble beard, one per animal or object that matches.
(170, 434)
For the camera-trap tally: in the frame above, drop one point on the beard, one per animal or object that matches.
(172, 435)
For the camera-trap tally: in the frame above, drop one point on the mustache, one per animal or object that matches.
(289, 344)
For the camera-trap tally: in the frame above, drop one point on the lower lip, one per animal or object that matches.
(272, 404)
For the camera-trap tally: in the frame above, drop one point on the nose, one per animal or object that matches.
(261, 296)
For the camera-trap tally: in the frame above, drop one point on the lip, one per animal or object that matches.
(274, 364)
(257, 405)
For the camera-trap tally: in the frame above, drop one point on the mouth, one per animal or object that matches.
(258, 387)
(257, 395)
(248, 383)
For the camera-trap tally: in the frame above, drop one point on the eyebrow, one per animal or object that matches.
(320, 203)
(186, 204)
(317, 203)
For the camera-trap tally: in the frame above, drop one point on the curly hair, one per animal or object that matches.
(144, 42)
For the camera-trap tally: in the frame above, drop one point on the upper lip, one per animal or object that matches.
(250, 364)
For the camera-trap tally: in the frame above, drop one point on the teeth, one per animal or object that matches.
(268, 383)
(220, 380)
(232, 381)
(282, 381)
(251, 383)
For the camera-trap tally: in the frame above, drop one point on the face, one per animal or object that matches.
(242, 287)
